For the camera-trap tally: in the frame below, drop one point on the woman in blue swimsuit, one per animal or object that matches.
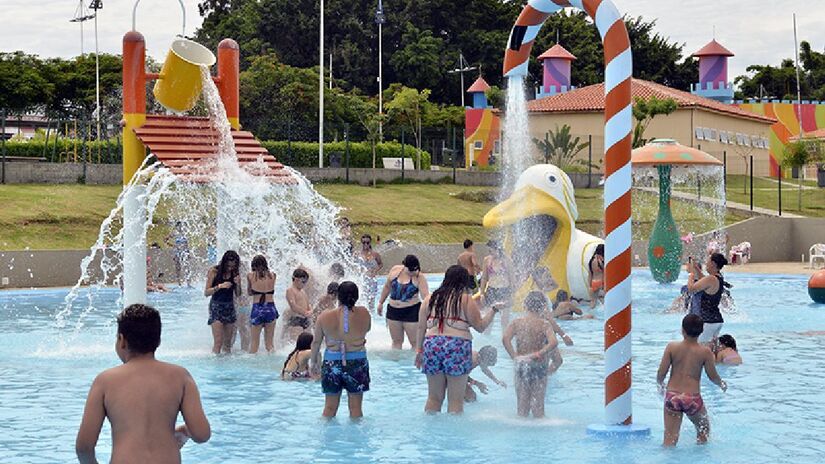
(405, 287)
(261, 286)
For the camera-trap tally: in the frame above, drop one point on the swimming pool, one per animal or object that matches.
(771, 412)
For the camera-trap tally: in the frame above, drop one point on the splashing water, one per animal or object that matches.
(518, 152)
(291, 225)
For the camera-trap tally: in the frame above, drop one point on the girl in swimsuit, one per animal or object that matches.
(223, 284)
(597, 277)
(497, 280)
(444, 342)
(296, 366)
(728, 353)
(261, 286)
(405, 287)
(345, 365)
(372, 263)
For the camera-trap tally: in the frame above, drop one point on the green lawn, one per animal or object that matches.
(766, 195)
(68, 216)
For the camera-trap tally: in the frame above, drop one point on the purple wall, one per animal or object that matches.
(556, 73)
(713, 70)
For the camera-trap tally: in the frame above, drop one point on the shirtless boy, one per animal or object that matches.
(535, 340)
(142, 399)
(686, 360)
(483, 358)
(300, 312)
(467, 260)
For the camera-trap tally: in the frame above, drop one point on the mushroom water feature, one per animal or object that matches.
(664, 251)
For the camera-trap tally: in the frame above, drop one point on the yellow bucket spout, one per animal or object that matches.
(180, 86)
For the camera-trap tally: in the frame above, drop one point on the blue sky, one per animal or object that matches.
(757, 31)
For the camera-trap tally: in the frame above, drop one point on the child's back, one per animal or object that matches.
(687, 361)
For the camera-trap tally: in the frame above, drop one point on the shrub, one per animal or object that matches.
(305, 154)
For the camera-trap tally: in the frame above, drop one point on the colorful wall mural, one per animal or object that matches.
(789, 123)
(482, 128)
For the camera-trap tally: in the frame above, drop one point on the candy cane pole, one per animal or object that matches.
(618, 117)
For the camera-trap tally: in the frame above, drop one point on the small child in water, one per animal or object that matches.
(535, 340)
(484, 358)
(567, 310)
(327, 302)
(728, 353)
(685, 360)
(141, 398)
(296, 366)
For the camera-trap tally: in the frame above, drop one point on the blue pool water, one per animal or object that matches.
(771, 412)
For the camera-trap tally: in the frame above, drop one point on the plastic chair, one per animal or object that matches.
(741, 253)
(817, 251)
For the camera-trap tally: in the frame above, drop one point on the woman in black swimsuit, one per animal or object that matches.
(223, 284)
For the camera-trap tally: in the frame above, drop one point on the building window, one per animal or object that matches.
(497, 146)
(478, 144)
(700, 133)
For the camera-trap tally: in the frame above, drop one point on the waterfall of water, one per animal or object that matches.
(518, 152)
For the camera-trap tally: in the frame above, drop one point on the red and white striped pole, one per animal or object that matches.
(617, 130)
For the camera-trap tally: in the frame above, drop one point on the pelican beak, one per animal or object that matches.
(525, 202)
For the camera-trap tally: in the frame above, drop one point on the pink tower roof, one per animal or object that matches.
(480, 85)
(558, 52)
(713, 48)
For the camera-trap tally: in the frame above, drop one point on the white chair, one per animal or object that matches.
(740, 254)
(817, 251)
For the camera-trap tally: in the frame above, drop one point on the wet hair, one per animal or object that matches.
(223, 265)
(140, 326)
(411, 262)
(535, 301)
(599, 249)
(728, 341)
(300, 274)
(493, 245)
(692, 325)
(468, 243)
(337, 270)
(260, 267)
(303, 343)
(368, 237)
(348, 294)
(719, 260)
(561, 296)
(445, 302)
(488, 355)
(332, 288)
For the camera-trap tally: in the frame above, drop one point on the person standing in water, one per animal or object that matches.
(223, 285)
(345, 365)
(535, 341)
(261, 286)
(296, 366)
(444, 342)
(180, 252)
(497, 281)
(299, 317)
(405, 287)
(467, 260)
(685, 360)
(711, 288)
(142, 398)
(597, 277)
(371, 261)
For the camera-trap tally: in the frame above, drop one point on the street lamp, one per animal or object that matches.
(380, 19)
(463, 67)
(81, 16)
(97, 5)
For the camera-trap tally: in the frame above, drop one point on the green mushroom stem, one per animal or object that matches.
(664, 250)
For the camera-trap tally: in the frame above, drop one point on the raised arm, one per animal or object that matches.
(664, 366)
(710, 370)
(197, 425)
(93, 416)
(697, 285)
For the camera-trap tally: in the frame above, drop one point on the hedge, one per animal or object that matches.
(305, 154)
(297, 154)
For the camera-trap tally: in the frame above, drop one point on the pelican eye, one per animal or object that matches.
(551, 178)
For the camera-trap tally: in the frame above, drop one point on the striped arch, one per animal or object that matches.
(617, 221)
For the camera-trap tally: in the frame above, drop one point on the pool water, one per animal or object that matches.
(770, 413)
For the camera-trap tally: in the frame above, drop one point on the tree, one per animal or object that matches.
(644, 110)
(798, 155)
(562, 148)
(779, 82)
(405, 106)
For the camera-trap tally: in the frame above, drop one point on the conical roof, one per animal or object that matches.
(558, 52)
(480, 85)
(713, 48)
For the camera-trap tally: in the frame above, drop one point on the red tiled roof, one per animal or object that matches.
(713, 48)
(591, 98)
(480, 85)
(817, 134)
(188, 147)
(557, 51)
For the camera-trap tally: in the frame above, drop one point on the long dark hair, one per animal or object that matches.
(445, 302)
(728, 341)
(222, 266)
(303, 343)
(348, 294)
(260, 267)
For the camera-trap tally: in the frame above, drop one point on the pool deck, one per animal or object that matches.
(788, 268)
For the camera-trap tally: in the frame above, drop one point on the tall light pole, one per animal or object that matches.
(380, 19)
(321, 90)
(463, 67)
(97, 5)
(80, 16)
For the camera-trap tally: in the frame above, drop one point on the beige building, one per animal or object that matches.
(725, 131)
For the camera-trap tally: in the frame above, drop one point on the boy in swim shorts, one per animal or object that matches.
(141, 398)
(535, 340)
(299, 317)
(685, 360)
